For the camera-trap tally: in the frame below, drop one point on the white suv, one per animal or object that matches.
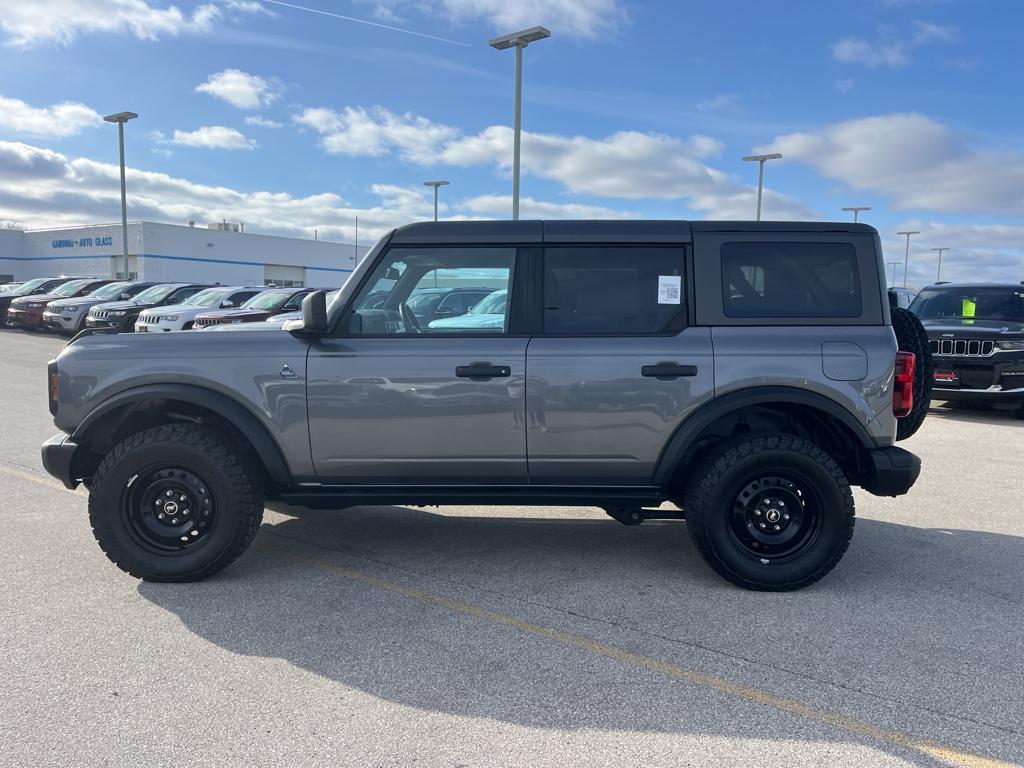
(180, 317)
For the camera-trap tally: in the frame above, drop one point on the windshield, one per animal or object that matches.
(966, 303)
(208, 298)
(109, 291)
(268, 300)
(156, 293)
(70, 289)
(26, 288)
(492, 304)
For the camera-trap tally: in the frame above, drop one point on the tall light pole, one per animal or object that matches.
(435, 185)
(760, 174)
(518, 40)
(894, 264)
(121, 118)
(938, 276)
(857, 209)
(906, 256)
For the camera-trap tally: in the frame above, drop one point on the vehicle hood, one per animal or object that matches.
(32, 299)
(116, 305)
(238, 313)
(973, 328)
(470, 321)
(81, 301)
(284, 317)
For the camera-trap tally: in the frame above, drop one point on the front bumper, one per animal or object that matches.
(58, 455)
(117, 324)
(60, 321)
(997, 379)
(24, 318)
(891, 471)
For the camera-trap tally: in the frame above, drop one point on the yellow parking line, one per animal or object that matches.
(745, 692)
(945, 754)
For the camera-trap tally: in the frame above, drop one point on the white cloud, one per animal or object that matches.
(719, 101)
(628, 164)
(586, 19)
(499, 206)
(978, 252)
(262, 122)
(915, 161)
(845, 85)
(29, 22)
(376, 132)
(240, 89)
(889, 50)
(64, 119)
(213, 137)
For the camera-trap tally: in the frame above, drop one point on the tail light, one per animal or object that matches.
(903, 388)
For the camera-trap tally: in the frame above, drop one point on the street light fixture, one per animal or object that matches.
(938, 276)
(857, 209)
(760, 174)
(518, 40)
(121, 118)
(435, 185)
(906, 256)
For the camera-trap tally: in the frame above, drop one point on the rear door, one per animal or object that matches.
(616, 366)
(395, 400)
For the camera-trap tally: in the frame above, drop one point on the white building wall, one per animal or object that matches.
(173, 253)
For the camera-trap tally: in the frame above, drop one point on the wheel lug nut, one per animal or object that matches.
(785, 517)
(181, 498)
(757, 512)
(763, 526)
(174, 520)
(185, 512)
(160, 516)
(169, 494)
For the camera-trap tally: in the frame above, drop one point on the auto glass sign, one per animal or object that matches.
(84, 242)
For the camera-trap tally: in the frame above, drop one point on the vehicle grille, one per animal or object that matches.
(149, 318)
(202, 322)
(962, 347)
(99, 314)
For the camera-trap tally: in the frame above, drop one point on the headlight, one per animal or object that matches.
(1016, 346)
(168, 318)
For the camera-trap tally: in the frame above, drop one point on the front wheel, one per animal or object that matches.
(175, 503)
(770, 513)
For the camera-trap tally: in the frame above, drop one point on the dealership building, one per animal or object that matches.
(217, 253)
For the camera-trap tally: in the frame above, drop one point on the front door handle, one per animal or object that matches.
(482, 371)
(668, 370)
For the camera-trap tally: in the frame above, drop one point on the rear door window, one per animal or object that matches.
(790, 280)
(613, 290)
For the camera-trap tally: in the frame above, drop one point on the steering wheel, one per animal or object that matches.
(409, 319)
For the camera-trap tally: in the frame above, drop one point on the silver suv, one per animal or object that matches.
(748, 373)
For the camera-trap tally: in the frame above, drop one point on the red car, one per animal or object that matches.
(270, 302)
(27, 311)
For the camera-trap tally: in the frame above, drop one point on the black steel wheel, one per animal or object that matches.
(176, 503)
(771, 513)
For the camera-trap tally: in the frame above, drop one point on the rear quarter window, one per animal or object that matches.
(774, 280)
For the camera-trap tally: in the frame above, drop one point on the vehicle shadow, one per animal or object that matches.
(975, 413)
(901, 595)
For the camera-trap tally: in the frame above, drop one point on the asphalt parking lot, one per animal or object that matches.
(497, 636)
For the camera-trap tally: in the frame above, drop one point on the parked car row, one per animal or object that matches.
(70, 305)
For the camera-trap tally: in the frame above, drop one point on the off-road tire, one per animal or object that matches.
(912, 337)
(227, 469)
(713, 496)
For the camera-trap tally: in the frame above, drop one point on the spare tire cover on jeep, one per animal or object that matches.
(912, 337)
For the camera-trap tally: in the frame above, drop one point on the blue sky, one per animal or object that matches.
(289, 120)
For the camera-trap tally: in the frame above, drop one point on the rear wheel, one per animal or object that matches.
(912, 337)
(175, 503)
(770, 513)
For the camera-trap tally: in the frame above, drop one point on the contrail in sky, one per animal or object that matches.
(367, 22)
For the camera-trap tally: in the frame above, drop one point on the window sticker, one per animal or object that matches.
(968, 307)
(669, 289)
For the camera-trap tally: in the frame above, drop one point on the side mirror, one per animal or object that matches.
(227, 304)
(314, 313)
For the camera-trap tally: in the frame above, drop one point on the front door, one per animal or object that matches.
(615, 368)
(400, 396)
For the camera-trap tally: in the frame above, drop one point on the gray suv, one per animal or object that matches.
(746, 372)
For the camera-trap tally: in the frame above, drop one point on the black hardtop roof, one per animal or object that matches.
(1019, 286)
(599, 230)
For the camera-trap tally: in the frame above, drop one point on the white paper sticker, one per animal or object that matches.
(669, 288)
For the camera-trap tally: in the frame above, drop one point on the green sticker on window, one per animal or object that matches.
(967, 308)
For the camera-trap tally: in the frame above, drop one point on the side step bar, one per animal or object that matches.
(338, 496)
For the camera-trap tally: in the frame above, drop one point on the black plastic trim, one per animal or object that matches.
(58, 452)
(891, 471)
(241, 417)
(336, 496)
(678, 446)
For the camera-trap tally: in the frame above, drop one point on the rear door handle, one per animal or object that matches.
(482, 371)
(665, 370)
